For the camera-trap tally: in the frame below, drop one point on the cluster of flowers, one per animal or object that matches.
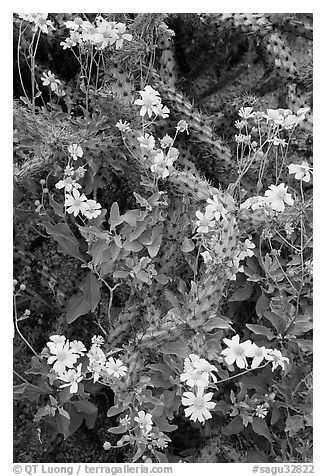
(249, 407)
(277, 196)
(74, 201)
(275, 120)
(141, 429)
(151, 103)
(39, 21)
(238, 353)
(160, 161)
(100, 34)
(68, 359)
(197, 373)
(55, 85)
(210, 223)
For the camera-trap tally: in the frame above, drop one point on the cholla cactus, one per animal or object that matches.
(197, 122)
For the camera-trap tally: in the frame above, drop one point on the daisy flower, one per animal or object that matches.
(237, 352)
(93, 209)
(277, 141)
(205, 222)
(246, 249)
(76, 203)
(116, 367)
(97, 340)
(48, 79)
(261, 411)
(120, 31)
(77, 347)
(55, 341)
(144, 420)
(254, 203)
(72, 377)
(193, 377)
(167, 141)
(182, 126)
(215, 206)
(43, 23)
(277, 359)
(162, 111)
(68, 184)
(147, 141)
(149, 101)
(75, 151)
(290, 121)
(125, 421)
(258, 354)
(123, 126)
(62, 357)
(302, 172)
(246, 112)
(277, 196)
(274, 116)
(68, 43)
(198, 405)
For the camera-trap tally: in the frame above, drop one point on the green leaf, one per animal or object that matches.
(137, 232)
(162, 279)
(156, 241)
(65, 395)
(63, 425)
(260, 427)
(262, 304)
(258, 382)
(277, 321)
(141, 449)
(234, 427)
(177, 348)
(64, 413)
(132, 246)
(242, 294)
(115, 410)
(216, 322)
(77, 306)
(132, 216)
(160, 456)
(294, 424)
(84, 406)
(299, 328)
(38, 367)
(115, 218)
(56, 207)
(30, 391)
(261, 330)
(120, 274)
(76, 419)
(91, 289)
(276, 415)
(117, 430)
(41, 412)
(163, 424)
(67, 242)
